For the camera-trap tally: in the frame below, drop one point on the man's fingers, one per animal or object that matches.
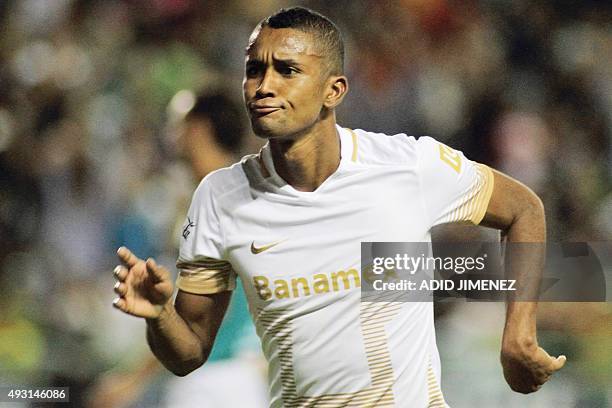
(120, 288)
(120, 304)
(127, 257)
(156, 270)
(120, 273)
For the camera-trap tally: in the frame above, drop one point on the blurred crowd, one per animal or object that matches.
(89, 92)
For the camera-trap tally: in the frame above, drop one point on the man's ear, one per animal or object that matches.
(336, 89)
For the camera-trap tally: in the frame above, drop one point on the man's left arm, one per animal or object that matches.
(519, 213)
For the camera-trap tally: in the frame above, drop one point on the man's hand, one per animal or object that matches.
(143, 287)
(526, 368)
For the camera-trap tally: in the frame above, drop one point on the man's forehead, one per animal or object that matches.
(282, 42)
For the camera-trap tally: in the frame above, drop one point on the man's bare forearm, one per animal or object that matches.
(173, 342)
(526, 238)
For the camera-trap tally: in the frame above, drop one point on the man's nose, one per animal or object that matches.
(266, 85)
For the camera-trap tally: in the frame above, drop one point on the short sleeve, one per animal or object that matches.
(201, 267)
(454, 188)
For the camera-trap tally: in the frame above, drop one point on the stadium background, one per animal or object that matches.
(87, 163)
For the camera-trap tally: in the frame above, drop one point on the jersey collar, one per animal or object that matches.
(348, 149)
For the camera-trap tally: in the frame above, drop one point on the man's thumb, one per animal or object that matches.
(559, 362)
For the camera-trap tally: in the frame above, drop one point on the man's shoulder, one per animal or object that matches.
(225, 180)
(391, 149)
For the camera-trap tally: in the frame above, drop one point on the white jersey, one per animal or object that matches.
(298, 255)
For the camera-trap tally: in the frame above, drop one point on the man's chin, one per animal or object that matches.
(266, 132)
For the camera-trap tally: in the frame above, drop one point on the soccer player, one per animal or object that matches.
(289, 222)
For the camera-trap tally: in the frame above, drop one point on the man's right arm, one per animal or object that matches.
(182, 336)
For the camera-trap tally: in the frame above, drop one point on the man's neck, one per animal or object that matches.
(307, 161)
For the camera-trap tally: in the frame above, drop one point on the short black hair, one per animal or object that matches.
(224, 115)
(326, 33)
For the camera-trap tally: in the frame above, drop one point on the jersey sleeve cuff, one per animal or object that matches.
(205, 276)
(484, 195)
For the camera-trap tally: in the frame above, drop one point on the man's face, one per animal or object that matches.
(284, 82)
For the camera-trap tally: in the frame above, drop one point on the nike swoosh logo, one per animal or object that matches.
(258, 250)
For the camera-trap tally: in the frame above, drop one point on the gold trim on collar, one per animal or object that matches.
(354, 136)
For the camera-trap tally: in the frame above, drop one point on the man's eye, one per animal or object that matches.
(252, 71)
(287, 71)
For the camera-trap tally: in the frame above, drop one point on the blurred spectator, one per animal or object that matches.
(205, 131)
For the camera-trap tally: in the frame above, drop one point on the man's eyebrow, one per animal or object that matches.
(288, 61)
(283, 61)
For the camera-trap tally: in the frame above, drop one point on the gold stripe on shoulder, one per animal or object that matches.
(354, 136)
(482, 201)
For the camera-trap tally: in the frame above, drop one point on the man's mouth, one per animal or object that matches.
(262, 109)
